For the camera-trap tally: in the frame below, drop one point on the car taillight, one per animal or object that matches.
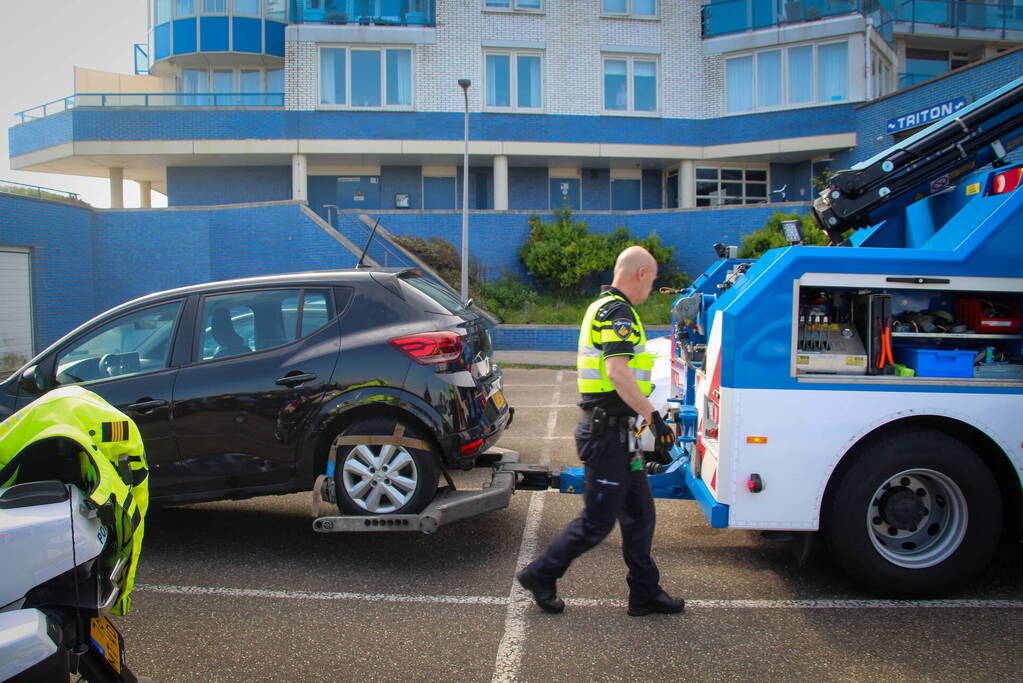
(1007, 181)
(429, 348)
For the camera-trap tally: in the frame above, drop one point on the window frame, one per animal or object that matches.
(206, 94)
(238, 13)
(630, 59)
(214, 12)
(745, 198)
(629, 13)
(381, 50)
(786, 94)
(513, 7)
(513, 80)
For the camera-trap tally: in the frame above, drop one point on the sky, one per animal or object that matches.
(41, 41)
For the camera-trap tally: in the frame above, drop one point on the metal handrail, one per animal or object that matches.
(151, 99)
(39, 189)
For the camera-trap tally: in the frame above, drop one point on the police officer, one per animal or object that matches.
(614, 380)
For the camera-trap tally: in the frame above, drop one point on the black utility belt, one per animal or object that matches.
(601, 421)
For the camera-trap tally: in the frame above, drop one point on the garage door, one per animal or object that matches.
(15, 308)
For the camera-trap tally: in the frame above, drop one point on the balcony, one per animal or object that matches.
(365, 12)
(154, 100)
(956, 16)
(724, 17)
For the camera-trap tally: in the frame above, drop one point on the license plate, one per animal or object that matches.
(108, 642)
(498, 399)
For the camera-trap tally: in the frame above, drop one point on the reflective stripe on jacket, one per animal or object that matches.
(590, 363)
(111, 467)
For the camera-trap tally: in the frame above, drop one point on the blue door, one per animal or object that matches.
(565, 192)
(358, 192)
(625, 195)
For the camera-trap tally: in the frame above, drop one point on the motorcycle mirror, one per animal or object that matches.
(31, 380)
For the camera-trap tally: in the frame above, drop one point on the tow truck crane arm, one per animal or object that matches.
(980, 133)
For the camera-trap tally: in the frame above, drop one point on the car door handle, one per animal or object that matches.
(147, 405)
(295, 380)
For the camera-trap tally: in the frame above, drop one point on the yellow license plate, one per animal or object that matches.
(498, 399)
(108, 642)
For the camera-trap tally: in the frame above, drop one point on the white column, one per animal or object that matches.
(116, 188)
(501, 182)
(145, 194)
(299, 184)
(687, 184)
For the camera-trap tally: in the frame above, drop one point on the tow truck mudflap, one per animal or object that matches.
(451, 505)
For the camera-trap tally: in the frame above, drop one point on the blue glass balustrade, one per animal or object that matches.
(365, 12)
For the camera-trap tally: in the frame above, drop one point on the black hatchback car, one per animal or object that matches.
(241, 388)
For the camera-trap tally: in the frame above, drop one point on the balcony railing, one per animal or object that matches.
(723, 17)
(169, 99)
(365, 12)
(958, 15)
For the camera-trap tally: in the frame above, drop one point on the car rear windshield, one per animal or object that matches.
(443, 296)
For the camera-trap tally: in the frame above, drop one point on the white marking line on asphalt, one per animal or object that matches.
(513, 641)
(496, 601)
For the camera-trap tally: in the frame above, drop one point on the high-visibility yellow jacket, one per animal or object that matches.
(594, 333)
(108, 464)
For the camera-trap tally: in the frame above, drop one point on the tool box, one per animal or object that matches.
(936, 362)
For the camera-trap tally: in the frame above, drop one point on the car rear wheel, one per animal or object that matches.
(384, 479)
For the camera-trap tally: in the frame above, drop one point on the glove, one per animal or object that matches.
(664, 439)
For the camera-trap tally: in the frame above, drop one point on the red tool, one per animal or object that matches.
(884, 357)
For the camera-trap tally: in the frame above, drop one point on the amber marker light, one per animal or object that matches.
(756, 439)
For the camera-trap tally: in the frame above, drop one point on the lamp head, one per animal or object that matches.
(464, 83)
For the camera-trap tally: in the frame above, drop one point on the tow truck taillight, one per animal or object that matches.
(472, 447)
(1007, 181)
(429, 348)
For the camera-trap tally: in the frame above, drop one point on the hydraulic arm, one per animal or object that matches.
(980, 133)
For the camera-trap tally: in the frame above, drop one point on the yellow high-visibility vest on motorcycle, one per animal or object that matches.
(592, 371)
(73, 435)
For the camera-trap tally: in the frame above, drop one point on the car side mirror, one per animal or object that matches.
(31, 380)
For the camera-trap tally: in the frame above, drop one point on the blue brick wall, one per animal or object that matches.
(527, 188)
(494, 238)
(227, 124)
(60, 237)
(214, 185)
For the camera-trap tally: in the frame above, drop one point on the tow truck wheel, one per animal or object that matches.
(916, 514)
(383, 479)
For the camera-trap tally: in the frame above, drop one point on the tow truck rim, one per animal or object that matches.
(379, 479)
(922, 533)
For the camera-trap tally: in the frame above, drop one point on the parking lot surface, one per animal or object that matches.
(246, 591)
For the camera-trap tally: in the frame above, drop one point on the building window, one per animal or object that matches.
(630, 84)
(775, 78)
(214, 6)
(184, 8)
(162, 11)
(247, 7)
(276, 10)
(526, 5)
(634, 8)
(881, 75)
(229, 87)
(722, 186)
(358, 77)
(513, 80)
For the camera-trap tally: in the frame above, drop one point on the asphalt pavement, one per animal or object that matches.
(246, 591)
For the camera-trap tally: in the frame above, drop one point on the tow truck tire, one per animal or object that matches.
(384, 479)
(917, 514)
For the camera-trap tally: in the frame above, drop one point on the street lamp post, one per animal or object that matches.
(464, 84)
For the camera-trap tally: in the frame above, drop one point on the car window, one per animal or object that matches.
(134, 343)
(441, 295)
(247, 322)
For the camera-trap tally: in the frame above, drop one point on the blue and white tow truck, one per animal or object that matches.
(873, 391)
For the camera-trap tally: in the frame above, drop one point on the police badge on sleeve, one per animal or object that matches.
(622, 327)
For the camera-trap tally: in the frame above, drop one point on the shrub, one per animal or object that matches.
(444, 258)
(562, 253)
(772, 235)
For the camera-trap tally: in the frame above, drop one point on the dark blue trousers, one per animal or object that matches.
(612, 492)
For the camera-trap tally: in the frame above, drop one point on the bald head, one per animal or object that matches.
(634, 274)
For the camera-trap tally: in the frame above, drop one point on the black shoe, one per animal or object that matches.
(545, 596)
(661, 604)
